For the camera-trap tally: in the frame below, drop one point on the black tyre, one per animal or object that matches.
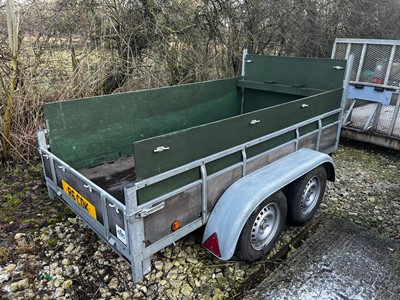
(304, 196)
(263, 228)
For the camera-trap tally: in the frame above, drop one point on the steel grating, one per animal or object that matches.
(375, 81)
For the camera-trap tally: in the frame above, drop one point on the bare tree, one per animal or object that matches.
(10, 86)
(82, 48)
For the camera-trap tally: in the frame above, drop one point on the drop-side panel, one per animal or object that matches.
(188, 145)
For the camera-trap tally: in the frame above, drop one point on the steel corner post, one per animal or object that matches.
(346, 83)
(140, 265)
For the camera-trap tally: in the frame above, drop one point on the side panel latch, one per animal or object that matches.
(148, 211)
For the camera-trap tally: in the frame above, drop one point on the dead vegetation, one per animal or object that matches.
(72, 49)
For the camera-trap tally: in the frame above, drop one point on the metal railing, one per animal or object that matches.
(372, 108)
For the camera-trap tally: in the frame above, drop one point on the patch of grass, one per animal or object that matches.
(31, 220)
(24, 200)
(52, 221)
(4, 255)
(364, 156)
(52, 242)
(13, 200)
(7, 217)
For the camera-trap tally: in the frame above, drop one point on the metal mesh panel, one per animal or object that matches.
(396, 131)
(341, 51)
(361, 114)
(375, 64)
(394, 78)
(395, 115)
(385, 119)
(378, 56)
(356, 50)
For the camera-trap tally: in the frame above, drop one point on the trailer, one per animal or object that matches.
(372, 108)
(239, 156)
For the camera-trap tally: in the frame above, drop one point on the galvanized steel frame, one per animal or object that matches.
(54, 190)
(136, 251)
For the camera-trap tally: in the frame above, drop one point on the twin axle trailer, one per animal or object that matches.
(240, 156)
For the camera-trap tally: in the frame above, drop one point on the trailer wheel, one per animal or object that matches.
(263, 228)
(304, 196)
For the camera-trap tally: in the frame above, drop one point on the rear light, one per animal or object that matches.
(211, 244)
(175, 225)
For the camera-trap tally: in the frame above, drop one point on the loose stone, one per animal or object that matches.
(67, 284)
(19, 285)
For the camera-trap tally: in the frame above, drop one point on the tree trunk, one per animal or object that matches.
(12, 26)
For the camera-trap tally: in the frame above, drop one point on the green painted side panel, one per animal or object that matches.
(89, 131)
(156, 190)
(223, 163)
(278, 88)
(256, 99)
(194, 143)
(330, 120)
(270, 144)
(311, 73)
(308, 128)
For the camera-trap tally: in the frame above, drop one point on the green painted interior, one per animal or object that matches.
(273, 80)
(309, 73)
(89, 131)
(259, 99)
(278, 88)
(195, 120)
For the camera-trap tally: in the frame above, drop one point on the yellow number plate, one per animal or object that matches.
(89, 207)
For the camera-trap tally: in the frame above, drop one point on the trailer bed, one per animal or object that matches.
(112, 176)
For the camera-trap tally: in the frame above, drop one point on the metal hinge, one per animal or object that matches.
(160, 149)
(148, 211)
(254, 122)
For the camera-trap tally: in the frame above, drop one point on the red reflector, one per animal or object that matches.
(212, 244)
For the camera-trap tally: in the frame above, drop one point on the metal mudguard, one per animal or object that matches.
(239, 201)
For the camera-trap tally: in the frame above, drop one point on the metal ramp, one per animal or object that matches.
(372, 108)
(340, 261)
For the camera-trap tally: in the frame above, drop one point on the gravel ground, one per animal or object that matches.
(66, 260)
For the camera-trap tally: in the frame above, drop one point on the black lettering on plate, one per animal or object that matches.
(82, 203)
(71, 192)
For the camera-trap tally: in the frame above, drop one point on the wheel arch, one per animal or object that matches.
(231, 212)
(330, 171)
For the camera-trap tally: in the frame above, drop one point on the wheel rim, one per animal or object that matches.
(309, 198)
(265, 226)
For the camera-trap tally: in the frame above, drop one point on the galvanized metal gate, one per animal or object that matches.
(372, 108)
